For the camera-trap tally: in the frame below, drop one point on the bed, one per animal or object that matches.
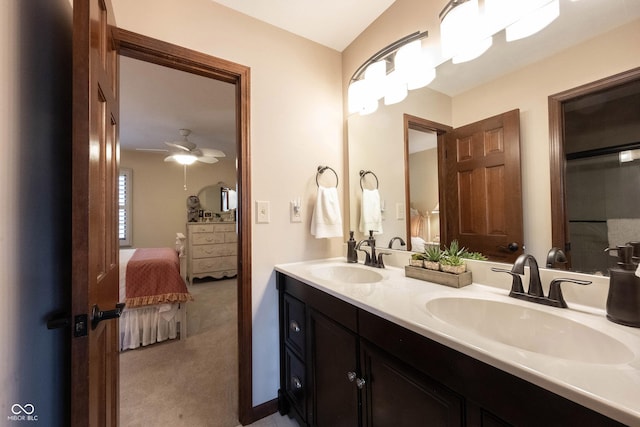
(155, 294)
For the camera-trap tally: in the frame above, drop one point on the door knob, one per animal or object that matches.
(98, 315)
(511, 247)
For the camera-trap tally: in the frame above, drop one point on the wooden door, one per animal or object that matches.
(94, 349)
(483, 187)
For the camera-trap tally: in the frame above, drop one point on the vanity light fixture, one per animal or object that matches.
(467, 27)
(390, 74)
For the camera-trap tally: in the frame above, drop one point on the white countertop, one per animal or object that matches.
(611, 389)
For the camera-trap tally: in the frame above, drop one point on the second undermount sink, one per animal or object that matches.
(530, 329)
(347, 274)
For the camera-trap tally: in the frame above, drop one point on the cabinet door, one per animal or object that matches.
(334, 351)
(397, 395)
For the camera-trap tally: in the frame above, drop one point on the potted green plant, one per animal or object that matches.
(432, 256)
(453, 264)
(417, 260)
(478, 256)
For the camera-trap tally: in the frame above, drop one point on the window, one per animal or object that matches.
(124, 207)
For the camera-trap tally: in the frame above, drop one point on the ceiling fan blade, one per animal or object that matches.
(152, 150)
(169, 158)
(207, 159)
(211, 152)
(182, 145)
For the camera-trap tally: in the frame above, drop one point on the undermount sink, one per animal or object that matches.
(530, 329)
(347, 274)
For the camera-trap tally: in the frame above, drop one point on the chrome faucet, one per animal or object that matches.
(367, 260)
(402, 243)
(534, 292)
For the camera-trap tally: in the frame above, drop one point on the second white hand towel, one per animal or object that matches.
(370, 213)
(326, 220)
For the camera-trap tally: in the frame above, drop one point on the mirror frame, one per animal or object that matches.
(558, 162)
(420, 124)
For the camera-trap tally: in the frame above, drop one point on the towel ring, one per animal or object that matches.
(321, 170)
(363, 174)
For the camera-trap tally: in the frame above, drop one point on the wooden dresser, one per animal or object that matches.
(212, 250)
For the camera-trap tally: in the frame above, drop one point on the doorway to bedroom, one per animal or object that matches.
(172, 98)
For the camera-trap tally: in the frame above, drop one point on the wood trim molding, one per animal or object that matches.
(424, 125)
(559, 228)
(158, 52)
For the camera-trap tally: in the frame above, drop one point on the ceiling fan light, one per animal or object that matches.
(533, 22)
(184, 159)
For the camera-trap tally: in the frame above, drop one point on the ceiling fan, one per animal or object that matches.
(186, 152)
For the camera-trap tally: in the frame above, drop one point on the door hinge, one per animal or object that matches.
(80, 325)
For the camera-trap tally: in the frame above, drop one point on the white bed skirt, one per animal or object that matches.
(147, 325)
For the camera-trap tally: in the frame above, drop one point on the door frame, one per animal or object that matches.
(558, 161)
(162, 53)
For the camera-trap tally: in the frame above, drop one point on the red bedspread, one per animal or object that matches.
(153, 277)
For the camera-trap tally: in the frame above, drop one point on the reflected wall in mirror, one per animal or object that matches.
(596, 130)
(377, 142)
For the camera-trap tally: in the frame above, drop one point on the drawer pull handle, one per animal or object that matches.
(294, 326)
(296, 383)
(360, 382)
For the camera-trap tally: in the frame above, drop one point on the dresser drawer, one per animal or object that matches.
(201, 228)
(224, 228)
(208, 251)
(207, 238)
(205, 265)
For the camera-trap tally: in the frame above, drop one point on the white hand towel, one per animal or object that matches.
(326, 220)
(370, 213)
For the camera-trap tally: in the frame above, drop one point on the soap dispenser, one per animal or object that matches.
(623, 301)
(352, 255)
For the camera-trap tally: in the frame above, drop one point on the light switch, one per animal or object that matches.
(399, 210)
(295, 211)
(263, 213)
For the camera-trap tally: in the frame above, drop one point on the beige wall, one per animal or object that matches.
(527, 90)
(296, 125)
(158, 207)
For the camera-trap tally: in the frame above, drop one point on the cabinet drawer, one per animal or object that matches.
(295, 383)
(205, 265)
(224, 228)
(207, 238)
(294, 324)
(208, 251)
(201, 228)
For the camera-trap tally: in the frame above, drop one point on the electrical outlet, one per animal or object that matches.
(295, 211)
(263, 212)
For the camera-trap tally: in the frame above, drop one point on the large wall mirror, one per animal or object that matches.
(377, 141)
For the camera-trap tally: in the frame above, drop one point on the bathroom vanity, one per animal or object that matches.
(362, 347)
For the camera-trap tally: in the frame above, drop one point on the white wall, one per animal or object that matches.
(159, 209)
(296, 125)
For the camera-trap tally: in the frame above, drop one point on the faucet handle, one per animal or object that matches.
(516, 281)
(555, 292)
(380, 261)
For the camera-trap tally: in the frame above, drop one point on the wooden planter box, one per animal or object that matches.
(440, 277)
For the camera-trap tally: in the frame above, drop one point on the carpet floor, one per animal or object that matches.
(190, 382)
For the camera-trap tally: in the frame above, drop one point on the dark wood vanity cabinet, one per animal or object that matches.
(343, 366)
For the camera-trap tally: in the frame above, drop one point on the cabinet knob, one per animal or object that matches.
(351, 376)
(360, 382)
(294, 326)
(296, 383)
